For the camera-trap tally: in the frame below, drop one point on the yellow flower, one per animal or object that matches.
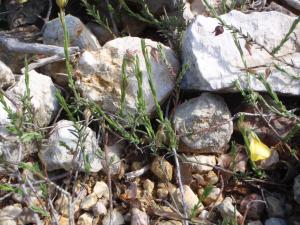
(258, 150)
(61, 3)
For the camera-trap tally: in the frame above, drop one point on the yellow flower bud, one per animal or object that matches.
(21, 1)
(258, 150)
(61, 3)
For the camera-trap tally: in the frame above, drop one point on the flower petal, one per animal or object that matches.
(258, 150)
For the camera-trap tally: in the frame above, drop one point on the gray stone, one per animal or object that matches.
(79, 35)
(42, 90)
(270, 162)
(99, 74)
(61, 150)
(169, 222)
(296, 189)
(275, 221)
(215, 62)
(203, 124)
(6, 76)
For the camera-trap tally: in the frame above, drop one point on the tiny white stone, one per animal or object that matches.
(101, 190)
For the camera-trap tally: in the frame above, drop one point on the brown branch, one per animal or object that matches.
(107, 161)
(14, 45)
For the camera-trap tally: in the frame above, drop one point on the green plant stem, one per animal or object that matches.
(287, 36)
(67, 54)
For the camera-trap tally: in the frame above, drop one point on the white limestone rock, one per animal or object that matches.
(139, 217)
(60, 151)
(203, 124)
(190, 198)
(215, 62)
(6, 76)
(99, 74)
(79, 34)
(42, 91)
(88, 202)
(201, 163)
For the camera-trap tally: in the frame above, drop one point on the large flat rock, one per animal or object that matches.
(215, 62)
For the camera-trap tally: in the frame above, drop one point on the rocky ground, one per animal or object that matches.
(149, 112)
